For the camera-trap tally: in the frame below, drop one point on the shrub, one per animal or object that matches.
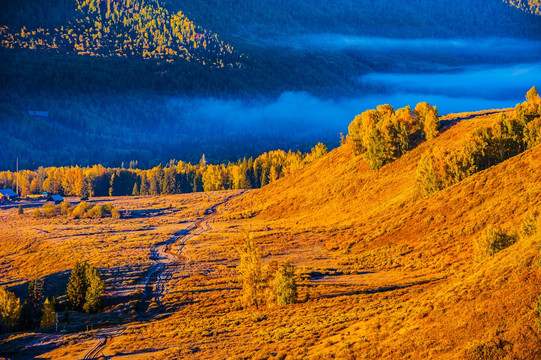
(65, 208)
(36, 213)
(96, 212)
(80, 209)
(493, 240)
(530, 224)
(20, 211)
(49, 210)
(115, 213)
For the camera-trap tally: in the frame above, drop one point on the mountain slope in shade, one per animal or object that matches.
(126, 28)
(532, 6)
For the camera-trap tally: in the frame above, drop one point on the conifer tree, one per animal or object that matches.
(77, 286)
(31, 309)
(144, 185)
(154, 185)
(94, 291)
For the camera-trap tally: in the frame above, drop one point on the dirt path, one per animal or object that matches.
(166, 262)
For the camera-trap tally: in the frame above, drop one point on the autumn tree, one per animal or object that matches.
(284, 286)
(250, 272)
(49, 312)
(381, 134)
(428, 119)
(10, 309)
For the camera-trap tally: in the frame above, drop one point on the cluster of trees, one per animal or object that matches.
(82, 210)
(274, 284)
(36, 311)
(84, 293)
(175, 178)
(85, 288)
(486, 147)
(384, 134)
(126, 28)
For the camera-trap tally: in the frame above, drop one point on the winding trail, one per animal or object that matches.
(166, 262)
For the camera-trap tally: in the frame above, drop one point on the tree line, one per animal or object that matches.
(486, 147)
(174, 178)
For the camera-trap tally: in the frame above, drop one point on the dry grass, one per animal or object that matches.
(382, 272)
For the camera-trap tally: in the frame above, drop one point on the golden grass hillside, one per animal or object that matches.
(382, 272)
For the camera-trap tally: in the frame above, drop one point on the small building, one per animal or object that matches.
(56, 198)
(8, 195)
(39, 114)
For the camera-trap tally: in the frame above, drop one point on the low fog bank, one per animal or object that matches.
(301, 115)
(340, 42)
(500, 84)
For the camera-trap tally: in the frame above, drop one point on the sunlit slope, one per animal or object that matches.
(374, 221)
(340, 189)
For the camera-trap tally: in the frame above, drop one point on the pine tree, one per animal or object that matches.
(31, 309)
(20, 211)
(95, 290)
(144, 185)
(77, 286)
(154, 186)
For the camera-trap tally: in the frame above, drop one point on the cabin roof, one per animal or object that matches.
(57, 198)
(8, 192)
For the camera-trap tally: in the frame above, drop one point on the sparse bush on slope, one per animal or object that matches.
(493, 240)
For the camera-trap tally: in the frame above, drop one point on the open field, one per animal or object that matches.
(381, 271)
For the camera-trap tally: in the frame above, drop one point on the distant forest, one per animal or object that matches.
(174, 178)
(111, 109)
